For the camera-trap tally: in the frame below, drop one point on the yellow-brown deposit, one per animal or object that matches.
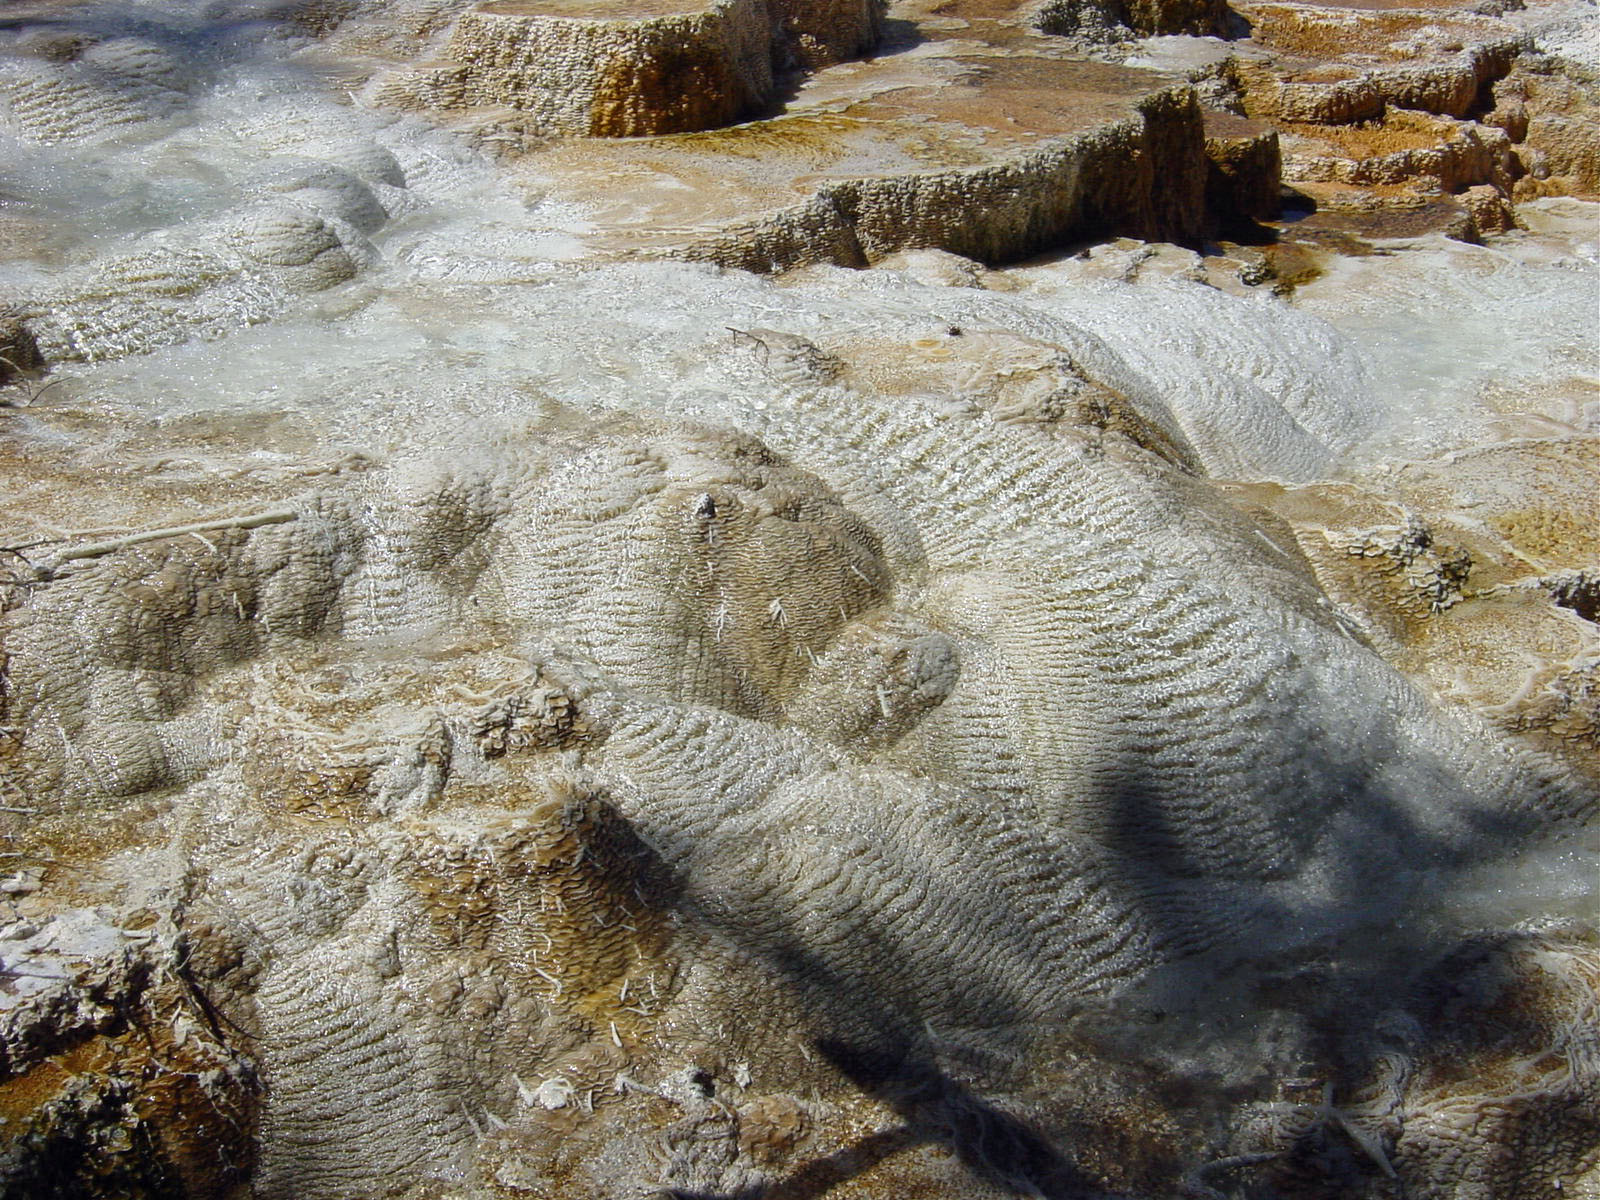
(640, 69)
(741, 599)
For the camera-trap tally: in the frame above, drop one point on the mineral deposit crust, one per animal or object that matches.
(862, 733)
(579, 69)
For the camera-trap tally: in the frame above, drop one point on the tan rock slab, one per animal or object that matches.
(616, 69)
(1335, 63)
(988, 156)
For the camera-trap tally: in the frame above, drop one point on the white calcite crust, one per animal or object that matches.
(480, 717)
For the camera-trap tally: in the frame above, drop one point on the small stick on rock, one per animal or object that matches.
(48, 568)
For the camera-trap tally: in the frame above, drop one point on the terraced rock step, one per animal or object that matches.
(989, 156)
(1334, 64)
(1244, 168)
(618, 69)
(1400, 119)
(972, 133)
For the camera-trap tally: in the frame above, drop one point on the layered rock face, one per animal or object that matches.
(995, 167)
(1392, 107)
(560, 667)
(578, 69)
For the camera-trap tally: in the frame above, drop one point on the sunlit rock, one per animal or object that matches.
(576, 68)
(1337, 64)
(589, 667)
(1457, 592)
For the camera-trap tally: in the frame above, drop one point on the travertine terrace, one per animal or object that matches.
(780, 600)
(583, 69)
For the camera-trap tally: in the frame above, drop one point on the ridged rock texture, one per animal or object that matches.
(573, 667)
(996, 166)
(575, 68)
(1393, 107)
(1102, 21)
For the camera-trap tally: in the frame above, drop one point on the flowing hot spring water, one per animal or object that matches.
(1058, 728)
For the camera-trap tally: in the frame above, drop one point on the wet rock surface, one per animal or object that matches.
(579, 69)
(746, 602)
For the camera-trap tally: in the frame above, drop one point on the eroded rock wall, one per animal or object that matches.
(627, 74)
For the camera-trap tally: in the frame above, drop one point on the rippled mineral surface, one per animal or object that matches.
(780, 599)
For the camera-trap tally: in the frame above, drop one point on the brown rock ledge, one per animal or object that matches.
(975, 135)
(1335, 64)
(1244, 167)
(988, 157)
(620, 69)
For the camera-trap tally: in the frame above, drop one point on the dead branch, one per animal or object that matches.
(55, 562)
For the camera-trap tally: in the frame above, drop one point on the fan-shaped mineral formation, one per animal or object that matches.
(497, 700)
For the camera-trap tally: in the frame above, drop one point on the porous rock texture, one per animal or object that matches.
(1103, 21)
(1406, 119)
(575, 68)
(997, 165)
(565, 805)
(1457, 599)
(482, 719)
(116, 1072)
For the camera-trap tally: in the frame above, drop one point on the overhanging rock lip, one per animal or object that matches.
(984, 167)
